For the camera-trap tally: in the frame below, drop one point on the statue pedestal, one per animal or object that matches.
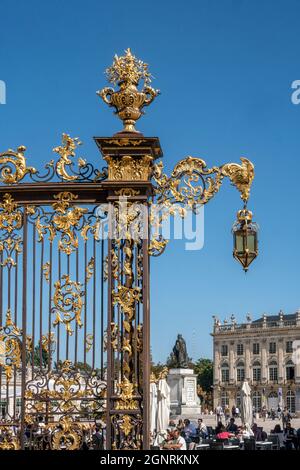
(183, 392)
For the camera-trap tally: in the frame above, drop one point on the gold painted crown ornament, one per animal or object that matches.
(126, 72)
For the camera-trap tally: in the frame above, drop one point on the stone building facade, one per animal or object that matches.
(266, 352)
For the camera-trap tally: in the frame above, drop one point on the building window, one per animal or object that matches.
(256, 373)
(255, 348)
(256, 401)
(289, 347)
(240, 349)
(224, 399)
(240, 372)
(224, 350)
(273, 371)
(273, 401)
(290, 370)
(290, 401)
(272, 348)
(225, 373)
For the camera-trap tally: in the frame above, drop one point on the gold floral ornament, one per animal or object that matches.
(126, 425)
(68, 302)
(10, 216)
(48, 341)
(126, 72)
(127, 297)
(66, 151)
(8, 440)
(241, 176)
(127, 399)
(13, 166)
(68, 436)
(10, 346)
(11, 220)
(65, 221)
(90, 268)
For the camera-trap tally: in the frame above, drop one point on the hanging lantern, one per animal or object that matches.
(245, 240)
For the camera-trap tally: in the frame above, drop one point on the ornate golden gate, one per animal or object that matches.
(75, 243)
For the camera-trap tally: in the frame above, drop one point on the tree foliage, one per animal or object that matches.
(203, 367)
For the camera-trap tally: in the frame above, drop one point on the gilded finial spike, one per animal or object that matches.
(126, 72)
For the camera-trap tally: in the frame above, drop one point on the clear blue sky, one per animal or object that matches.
(225, 70)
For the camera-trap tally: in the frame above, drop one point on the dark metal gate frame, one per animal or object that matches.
(127, 331)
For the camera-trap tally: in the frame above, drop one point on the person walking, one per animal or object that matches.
(219, 413)
(286, 417)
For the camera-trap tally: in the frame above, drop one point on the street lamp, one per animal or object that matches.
(245, 240)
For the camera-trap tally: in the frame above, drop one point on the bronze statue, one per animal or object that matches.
(179, 358)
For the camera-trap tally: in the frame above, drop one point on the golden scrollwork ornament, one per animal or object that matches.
(68, 302)
(66, 151)
(13, 166)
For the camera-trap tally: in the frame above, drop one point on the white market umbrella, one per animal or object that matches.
(153, 406)
(246, 404)
(163, 407)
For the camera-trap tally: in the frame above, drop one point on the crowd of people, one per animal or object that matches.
(186, 435)
(264, 413)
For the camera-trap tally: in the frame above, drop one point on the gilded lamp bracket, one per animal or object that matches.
(192, 183)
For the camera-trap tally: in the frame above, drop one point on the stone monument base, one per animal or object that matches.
(183, 392)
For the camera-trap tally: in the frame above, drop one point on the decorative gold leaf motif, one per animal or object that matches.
(68, 436)
(125, 142)
(241, 176)
(114, 336)
(90, 268)
(67, 302)
(65, 221)
(10, 346)
(48, 340)
(127, 192)
(16, 161)
(46, 271)
(66, 151)
(127, 398)
(126, 425)
(9, 441)
(129, 168)
(139, 338)
(10, 215)
(126, 297)
(9, 246)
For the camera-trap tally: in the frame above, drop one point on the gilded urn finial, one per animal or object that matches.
(126, 72)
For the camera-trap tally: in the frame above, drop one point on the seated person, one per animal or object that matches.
(290, 437)
(246, 432)
(202, 429)
(223, 434)
(175, 442)
(232, 427)
(189, 429)
(277, 431)
(219, 427)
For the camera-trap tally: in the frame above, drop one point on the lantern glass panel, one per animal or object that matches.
(239, 241)
(251, 241)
